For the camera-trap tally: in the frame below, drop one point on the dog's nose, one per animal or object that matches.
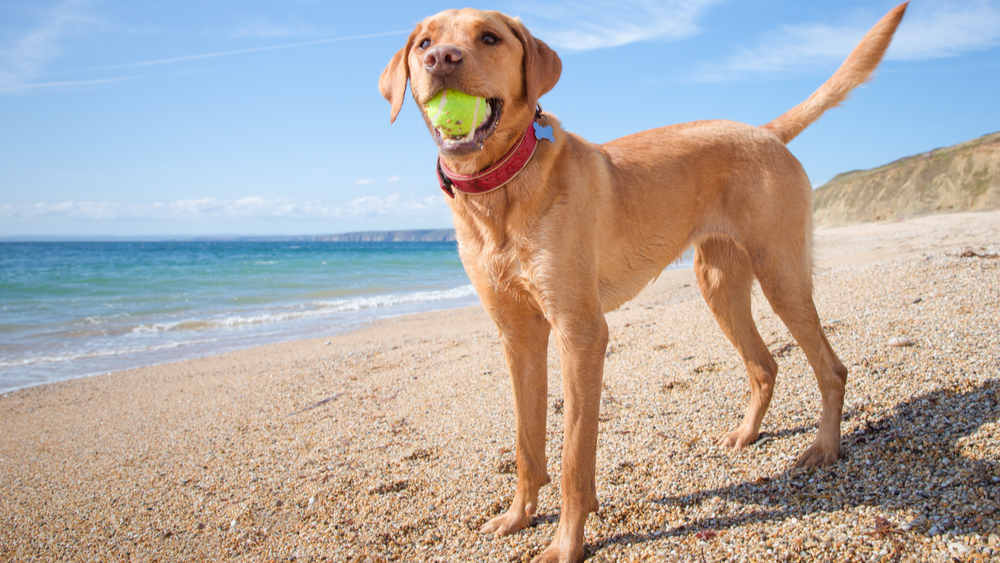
(442, 59)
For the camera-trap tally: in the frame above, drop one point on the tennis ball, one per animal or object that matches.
(456, 113)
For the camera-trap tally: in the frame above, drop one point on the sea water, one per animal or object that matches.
(73, 309)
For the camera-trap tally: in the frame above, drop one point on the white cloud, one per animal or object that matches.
(252, 207)
(25, 58)
(802, 45)
(363, 182)
(394, 204)
(581, 26)
(945, 29)
(392, 180)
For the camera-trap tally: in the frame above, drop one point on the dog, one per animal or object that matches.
(554, 232)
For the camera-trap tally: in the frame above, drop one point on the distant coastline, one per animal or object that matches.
(419, 235)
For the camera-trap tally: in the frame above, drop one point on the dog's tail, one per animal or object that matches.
(856, 70)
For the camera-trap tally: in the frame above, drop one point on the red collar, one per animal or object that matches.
(495, 176)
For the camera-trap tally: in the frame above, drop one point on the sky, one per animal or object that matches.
(142, 118)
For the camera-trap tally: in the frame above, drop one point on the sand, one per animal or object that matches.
(393, 443)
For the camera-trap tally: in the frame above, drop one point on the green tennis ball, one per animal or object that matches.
(456, 113)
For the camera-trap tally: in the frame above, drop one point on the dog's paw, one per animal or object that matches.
(508, 523)
(818, 455)
(556, 553)
(738, 439)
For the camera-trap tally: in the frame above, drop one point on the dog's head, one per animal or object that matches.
(486, 54)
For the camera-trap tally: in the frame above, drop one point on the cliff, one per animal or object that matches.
(964, 177)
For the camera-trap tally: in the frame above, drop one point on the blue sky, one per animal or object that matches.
(250, 117)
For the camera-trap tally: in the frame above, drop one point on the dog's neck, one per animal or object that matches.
(496, 164)
(493, 218)
(496, 176)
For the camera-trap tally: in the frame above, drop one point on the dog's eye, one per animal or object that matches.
(489, 38)
(425, 44)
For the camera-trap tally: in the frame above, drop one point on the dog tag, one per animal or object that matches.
(544, 132)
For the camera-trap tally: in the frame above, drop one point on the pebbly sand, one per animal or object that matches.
(393, 443)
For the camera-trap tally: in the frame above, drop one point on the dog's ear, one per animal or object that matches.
(542, 65)
(393, 81)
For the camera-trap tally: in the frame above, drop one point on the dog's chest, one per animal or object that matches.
(511, 267)
(514, 279)
(509, 276)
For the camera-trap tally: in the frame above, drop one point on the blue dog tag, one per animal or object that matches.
(544, 132)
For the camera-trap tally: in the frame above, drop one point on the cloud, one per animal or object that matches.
(251, 207)
(392, 180)
(581, 26)
(945, 29)
(363, 182)
(25, 58)
(23, 63)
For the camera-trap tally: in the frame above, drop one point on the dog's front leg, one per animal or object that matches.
(582, 345)
(525, 334)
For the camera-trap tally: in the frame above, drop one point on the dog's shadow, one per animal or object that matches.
(898, 456)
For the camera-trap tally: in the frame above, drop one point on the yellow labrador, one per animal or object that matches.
(555, 232)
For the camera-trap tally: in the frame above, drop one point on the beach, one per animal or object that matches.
(393, 442)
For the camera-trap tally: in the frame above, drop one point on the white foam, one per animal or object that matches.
(309, 310)
(100, 353)
(324, 308)
(154, 328)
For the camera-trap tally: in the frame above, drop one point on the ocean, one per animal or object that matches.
(74, 309)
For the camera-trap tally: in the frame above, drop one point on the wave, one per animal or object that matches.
(102, 353)
(194, 333)
(398, 299)
(324, 308)
(312, 309)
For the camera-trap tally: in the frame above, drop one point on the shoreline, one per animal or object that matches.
(352, 314)
(77, 309)
(394, 440)
(200, 347)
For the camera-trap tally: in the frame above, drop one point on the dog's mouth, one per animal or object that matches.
(474, 140)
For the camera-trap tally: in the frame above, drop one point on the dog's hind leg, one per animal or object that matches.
(725, 277)
(786, 281)
(525, 335)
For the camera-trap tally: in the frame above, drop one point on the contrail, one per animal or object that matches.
(227, 53)
(40, 85)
